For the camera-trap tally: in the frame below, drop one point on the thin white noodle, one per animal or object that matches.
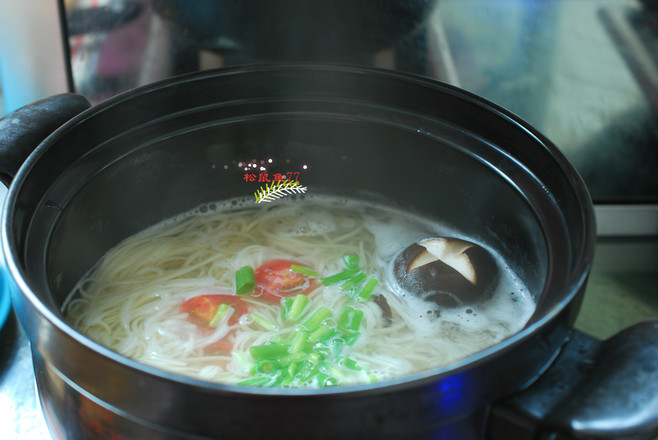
(130, 302)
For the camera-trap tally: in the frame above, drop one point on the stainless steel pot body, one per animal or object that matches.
(370, 134)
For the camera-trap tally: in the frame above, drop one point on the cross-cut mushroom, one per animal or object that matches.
(447, 271)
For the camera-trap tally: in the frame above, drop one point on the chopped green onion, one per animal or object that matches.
(324, 380)
(322, 351)
(349, 363)
(298, 342)
(337, 345)
(318, 333)
(350, 319)
(267, 325)
(304, 270)
(255, 381)
(328, 335)
(296, 307)
(286, 303)
(315, 320)
(292, 358)
(337, 373)
(337, 278)
(351, 337)
(266, 366)
(351, 262)
(315, 358)
(368, 288)
(269, 351)
(278, 380)
(279, 340)
(307, 369)
(290, 373)
(354, 281)
(222, 310)
(244, 280)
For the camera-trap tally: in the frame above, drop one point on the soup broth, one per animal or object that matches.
(167, 297)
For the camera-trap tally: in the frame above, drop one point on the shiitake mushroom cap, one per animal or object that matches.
(448, 272)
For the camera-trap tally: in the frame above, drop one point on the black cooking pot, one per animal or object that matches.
(369, 134)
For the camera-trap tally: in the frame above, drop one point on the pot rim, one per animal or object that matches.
(581, 266)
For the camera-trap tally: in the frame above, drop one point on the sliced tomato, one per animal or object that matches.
(202, 309)
(220, 347)
(275, 280)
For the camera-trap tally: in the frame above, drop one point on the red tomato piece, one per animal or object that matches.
(202, 309)
(275, 280)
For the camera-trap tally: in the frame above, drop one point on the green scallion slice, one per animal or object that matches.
(269, 351)
(279, 377)
(244, 280)
(318, 333)
(350, 319)
(292, 358)
(324, 380)
(290, 373)
(337, 345)
(327, 336)
(265, 323)
(258, 381)
(267, 366)
(322, 350)
(306, 370)
(304, 270)
(367, 289)
(298, 342)
(337, 278)
(352, 262)
(351, 337)
(315, 320)
(354, 282)
(286, 303)
(296, 307)
(222, 310)
(314, 357)
(279, 340)
(349, 363)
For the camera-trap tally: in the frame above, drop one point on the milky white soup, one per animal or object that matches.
(167, 297)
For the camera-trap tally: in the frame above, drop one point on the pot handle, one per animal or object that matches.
(594, 390)
(22, 130)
